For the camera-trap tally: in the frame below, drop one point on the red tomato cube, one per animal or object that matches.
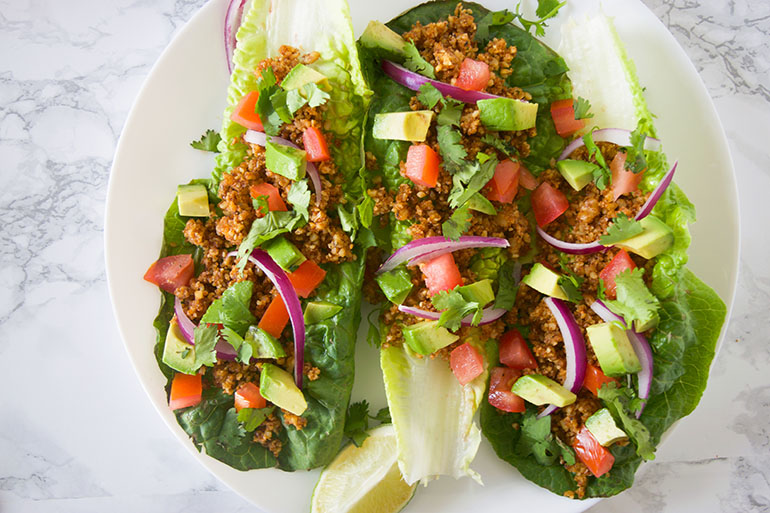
(595, 378)
(274, 201)
(617, 265)
(315, 145)
(473, 76)
(441, 274)
(500, 396)
(597, 458)
(171, 272)
(306, 278)
(466, 363)
(563, 114)
(515, 353)
(247, 396)
(245, 112)
(186, 390)
(422, 165)
(548, 204)
(623, 180)
(504, 183)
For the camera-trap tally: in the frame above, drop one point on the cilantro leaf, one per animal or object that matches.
(429, 95)
(299, 197)
(383, 415)
(570, 282)
(267, 87)
(279, 102)
(266, 228)
(294, 100)
(251, 418)
(315, 95)
(492, 19)
(636, 161)
(232, 309)
(357, 422)
(454, 307)
(469, 179)
(567, 453)
(366, 211)
(546, 9)
(635, 303)
(415, 62)
(582, 107)
(451, 112)
(536, 439)
(500, 145)
(506, 290)
(261, 204)
(458, 223)
(622, 228)
(232, 338)
(602, 174)
(449, 145)
(208, 141)
(620, 400)
(206, 338)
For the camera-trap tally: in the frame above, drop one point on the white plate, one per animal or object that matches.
(185, 94)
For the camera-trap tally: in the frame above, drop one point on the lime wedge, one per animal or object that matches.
(364, 479)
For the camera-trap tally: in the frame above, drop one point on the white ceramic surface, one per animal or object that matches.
(76, 432)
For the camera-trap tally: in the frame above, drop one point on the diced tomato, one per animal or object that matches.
(500, 396)
(422, 165)
(504, 183)
(275, 317)
(315, 145)
(186, 391)
(441, 273)
(171, 272)
(306, 278)
(595, 378)
(617, 265)
(474, 75)
(514, 351)
(563, 114)
(274, 201)
(548, 204)
(527, 179)
(248, 396)
(245, 113)
(597, 458)
(623, 180)
(466, 363)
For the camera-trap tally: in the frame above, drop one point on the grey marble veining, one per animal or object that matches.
(81, 437)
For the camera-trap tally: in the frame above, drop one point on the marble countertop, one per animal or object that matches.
(78, 437)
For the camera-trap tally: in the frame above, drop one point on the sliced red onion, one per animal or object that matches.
(574, 347)
(656, 194)
(285, 289)
(413, 81)
(618, 136)
(260, 139)
(489, 315)
(233, 19)
(422, 250)
(186, 326)
(225, 350)
(594, 247)
(571, 247)
(641, 348)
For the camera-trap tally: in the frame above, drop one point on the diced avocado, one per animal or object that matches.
(507, 114)
(277, 386)
(538, 389)
(193, 200)
(264, 344)
(177, 353)
(402, 126)
(301, 75)
(286, 161)
(545, 281)
(427, 337)
(603, 427)
(378, 35)
(284, 253)
(578, 173)
(613, 349)
(480, 291)
(656, 237)
(317, 311)
(395, 284)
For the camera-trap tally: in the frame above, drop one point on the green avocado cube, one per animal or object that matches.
(263, 344)
(177, 352)
(402, 126)
(277, 386)
(285, 161)
(577, 173)
(395, 284)
(317, 311)
(301, 75)
(507, 114)
(538, 389)
(193, 200)
(612, 348)
(656, 237)
(480, 292)
(603, 427)
(284, 253)
(378, 35)
(545, 281)
(427, 337)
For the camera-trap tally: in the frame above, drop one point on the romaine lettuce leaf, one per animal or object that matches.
(432, 414)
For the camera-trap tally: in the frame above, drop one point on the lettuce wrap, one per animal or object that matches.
(214, 425)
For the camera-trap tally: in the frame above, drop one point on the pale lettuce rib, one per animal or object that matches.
(432, 415)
